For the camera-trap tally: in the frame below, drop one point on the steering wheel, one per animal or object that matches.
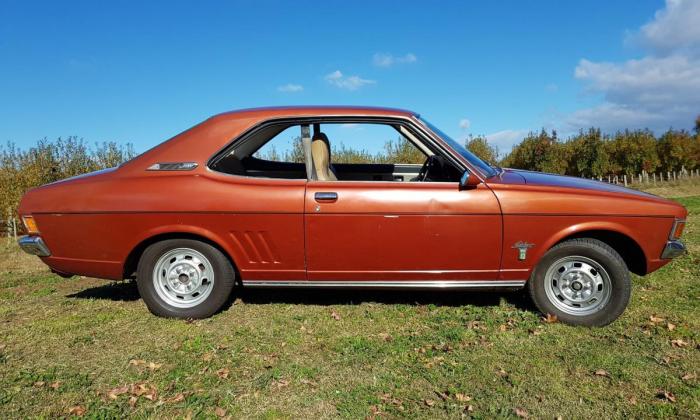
(425, 169)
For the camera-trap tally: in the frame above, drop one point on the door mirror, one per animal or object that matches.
(468, 181)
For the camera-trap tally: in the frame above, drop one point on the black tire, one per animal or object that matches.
(221, 285)
(617, 293)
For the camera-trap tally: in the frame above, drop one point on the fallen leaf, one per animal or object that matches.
(689, 376)
(308, 382)
(679, 343)
(222, 373)
(207, 357)
(335, 316)
(469, 408)
(55, 385)
(502, 373)
(385, 336)
(77, 410)
(113, 394)
(633, 400)
(503, 328)
(550, 319)
(220, 412)
(462, 397)
(39, 384)
(282, 383)
(666, 395)
(535, 331)
(151, 394)
(670, 326)
(521, 412)
(132, 401)
(443, 395)
(601, 372)
(176, 399)
(429, 403)
(656, 319)
(136, 362)
(154, 366)
(139, 388)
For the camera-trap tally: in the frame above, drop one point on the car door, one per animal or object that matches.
(359, 231)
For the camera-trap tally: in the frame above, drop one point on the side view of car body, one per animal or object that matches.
(206, 210)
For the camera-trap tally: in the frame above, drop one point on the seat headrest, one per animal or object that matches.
(320, 136)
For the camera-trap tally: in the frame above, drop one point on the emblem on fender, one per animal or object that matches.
(522, 248)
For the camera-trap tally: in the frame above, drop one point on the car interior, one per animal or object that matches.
(250, 157)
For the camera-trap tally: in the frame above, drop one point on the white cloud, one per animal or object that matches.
(388, 60)
(290, 88)
(659, 90)
(675, 27)
(337, 79)
(506, 139)
(464, 123)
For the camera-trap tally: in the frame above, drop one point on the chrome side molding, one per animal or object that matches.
(172, 166)
(387, 284)
(34, 245)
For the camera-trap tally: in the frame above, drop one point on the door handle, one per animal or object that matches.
(326, 197)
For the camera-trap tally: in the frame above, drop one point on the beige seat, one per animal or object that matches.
(321, 153)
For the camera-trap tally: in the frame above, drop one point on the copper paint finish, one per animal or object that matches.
(374, 231)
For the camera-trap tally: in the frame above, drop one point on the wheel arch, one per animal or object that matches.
(132, 259)
(625, 245)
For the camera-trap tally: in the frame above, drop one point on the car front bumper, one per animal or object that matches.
(34, 245)
(673, 249)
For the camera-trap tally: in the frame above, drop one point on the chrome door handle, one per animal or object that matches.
(326, 197)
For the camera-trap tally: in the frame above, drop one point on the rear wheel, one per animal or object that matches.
(184, 278)
(581, 281)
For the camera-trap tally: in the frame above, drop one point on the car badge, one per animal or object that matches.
(522, 248)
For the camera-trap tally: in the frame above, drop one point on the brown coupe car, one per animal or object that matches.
(217, 205)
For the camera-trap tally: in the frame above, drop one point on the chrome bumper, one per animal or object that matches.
(673, 249)
(34, 245)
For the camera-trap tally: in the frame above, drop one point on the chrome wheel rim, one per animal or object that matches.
(578, 285)
(183, 277)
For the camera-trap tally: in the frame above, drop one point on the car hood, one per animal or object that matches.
(552, 180)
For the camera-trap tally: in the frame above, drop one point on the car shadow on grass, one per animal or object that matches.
(122, 291)
(126, 291)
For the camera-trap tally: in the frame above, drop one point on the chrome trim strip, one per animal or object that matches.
(34, 245)
(387, 284)
(673, 249)
(172, 166)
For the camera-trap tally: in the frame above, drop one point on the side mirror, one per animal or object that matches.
(468, 181)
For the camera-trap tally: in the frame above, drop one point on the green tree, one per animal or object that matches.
(676, 150)
(539, 152)
(588, 154)
(633, 151)
(401, 151)
(480, 147)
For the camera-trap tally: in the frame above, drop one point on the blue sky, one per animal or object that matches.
(141, 72)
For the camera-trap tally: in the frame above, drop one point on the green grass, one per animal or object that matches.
(68, 342)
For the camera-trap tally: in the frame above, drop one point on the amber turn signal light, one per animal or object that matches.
(30, 224)
(678, 229)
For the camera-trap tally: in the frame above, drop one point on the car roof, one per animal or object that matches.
(315, 110)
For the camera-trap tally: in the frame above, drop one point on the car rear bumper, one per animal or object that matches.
(673, 249)
(34, 245)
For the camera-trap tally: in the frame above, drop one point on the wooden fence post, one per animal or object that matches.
(625, 179)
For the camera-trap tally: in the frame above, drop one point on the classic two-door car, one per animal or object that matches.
(206, 210)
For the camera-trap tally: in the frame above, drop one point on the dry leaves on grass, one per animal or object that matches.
(429, 402)
(335, 316)
(385, 336)
(143, 363)
(521, 412)
(656, 319)
(114, 393)
(76, 410)
(671, 326)
(550, 319)
(222, 373)
(689, 376)
(679, 343)
(602, 372)
(220, 412)
(666, 396)
(502, 373)
(280, 383)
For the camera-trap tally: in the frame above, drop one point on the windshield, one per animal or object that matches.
(482, 166)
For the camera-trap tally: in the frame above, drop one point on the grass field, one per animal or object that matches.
(83, 346)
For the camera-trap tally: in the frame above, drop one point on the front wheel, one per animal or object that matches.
(184, 278)
(581, 281)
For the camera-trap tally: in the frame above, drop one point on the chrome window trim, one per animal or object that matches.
(173, 166)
